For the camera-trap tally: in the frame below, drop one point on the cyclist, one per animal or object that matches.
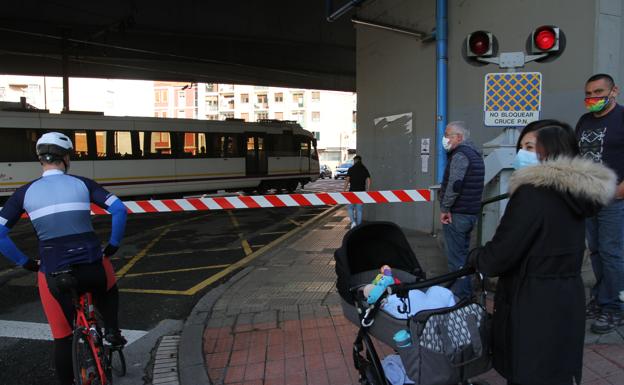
(58, 205)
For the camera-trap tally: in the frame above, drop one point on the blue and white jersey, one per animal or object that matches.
(59, 208)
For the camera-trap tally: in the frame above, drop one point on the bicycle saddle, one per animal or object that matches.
(65, 281)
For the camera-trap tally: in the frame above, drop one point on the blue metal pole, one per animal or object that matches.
(441, 33)
(335, 15)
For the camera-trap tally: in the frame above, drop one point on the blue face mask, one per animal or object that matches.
(525, 158)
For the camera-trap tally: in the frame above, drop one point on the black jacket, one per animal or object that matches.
(537, 253)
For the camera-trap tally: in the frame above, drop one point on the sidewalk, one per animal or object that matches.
(279, 321)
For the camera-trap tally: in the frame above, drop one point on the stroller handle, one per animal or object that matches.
(405, 287)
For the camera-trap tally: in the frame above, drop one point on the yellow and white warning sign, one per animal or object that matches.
(512, 99)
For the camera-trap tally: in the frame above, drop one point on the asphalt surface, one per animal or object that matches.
(167, 262)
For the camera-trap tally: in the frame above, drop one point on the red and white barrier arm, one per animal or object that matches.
(281, 200)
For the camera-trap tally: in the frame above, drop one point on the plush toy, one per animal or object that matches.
(380, 283)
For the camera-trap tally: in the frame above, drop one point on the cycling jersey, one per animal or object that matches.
(59, 208)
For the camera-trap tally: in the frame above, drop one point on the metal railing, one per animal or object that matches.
(484, 203)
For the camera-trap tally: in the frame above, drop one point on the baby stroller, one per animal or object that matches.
(447, 346)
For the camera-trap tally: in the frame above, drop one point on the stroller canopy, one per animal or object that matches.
(370, 246)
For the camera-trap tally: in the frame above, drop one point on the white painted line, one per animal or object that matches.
(41, 331)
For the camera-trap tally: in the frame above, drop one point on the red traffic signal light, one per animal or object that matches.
(480, 44)
(547, 39)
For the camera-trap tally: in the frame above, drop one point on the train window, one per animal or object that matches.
(231, 146)
(160, 144)
(281, 145)
(123, 145)
(304, 149)
(17, 145)
(194, 144)
(141, 144)
(81, 148)
(100, 144)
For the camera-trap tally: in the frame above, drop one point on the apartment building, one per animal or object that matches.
(330, 115)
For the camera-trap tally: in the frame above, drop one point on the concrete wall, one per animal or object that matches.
(396, 74)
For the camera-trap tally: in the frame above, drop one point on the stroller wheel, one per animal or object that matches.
(368, 364)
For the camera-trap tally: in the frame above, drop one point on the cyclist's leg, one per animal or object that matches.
(106, 298)
(59, 311)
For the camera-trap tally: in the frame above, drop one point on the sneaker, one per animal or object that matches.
(115, 338)
(592, 310)
(607, 322)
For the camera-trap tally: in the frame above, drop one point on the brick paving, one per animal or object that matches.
(282, 323)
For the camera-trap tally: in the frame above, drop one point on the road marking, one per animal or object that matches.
(246, 248)
(294, 222)
(177, 270)
(276, 232)
(121, 272)
(191, 251)
(41, 331)
(233, 267)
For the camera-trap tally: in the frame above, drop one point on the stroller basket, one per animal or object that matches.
(447, 345)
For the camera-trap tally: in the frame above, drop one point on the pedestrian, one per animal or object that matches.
(58, 205)
(357, 179)
(537, 254)
(460, 198)
(600, 134)
(525, 148)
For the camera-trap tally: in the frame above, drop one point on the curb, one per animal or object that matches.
(191, 365)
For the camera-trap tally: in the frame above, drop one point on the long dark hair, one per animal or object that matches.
(534, 126)
(555, 140)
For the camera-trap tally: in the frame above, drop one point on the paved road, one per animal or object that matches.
(167, 262)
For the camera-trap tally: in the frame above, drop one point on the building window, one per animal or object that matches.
(181, 98)
(2, 92)
(279, 115)
(245, 116)
(316, 116)
(244, 98)
(298, 117)
(212, 117)
(212, 102)
(316, 96)
(262, 115)
(161, 96)
(181, 114)
(226, 115)
(298, 98)
(279, 97)
(211, 87)
(164, 114)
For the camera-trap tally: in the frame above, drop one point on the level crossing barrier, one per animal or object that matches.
(266, 201)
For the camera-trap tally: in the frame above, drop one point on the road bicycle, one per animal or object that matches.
(93, 360)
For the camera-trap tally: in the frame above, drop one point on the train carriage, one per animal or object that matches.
(147, 157)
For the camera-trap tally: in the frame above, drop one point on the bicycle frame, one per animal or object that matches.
(85, 321)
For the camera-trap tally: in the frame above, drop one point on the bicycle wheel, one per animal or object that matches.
(84, 362)
(117, 361)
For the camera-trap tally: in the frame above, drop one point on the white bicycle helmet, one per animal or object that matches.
(54, 146)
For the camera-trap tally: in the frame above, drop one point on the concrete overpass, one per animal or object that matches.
(277, 42)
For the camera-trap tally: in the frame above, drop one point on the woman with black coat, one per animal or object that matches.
(537, 253)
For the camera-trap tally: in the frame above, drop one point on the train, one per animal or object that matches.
(143, 157)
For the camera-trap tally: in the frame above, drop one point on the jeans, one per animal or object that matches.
(457, 240)
(605, 240)
(355, 213)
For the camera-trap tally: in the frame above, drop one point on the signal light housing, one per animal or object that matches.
(546, 39)
(478, 45)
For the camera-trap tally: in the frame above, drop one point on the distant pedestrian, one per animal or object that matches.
(538, 327)
(600, 134)
(460, 198)
(358, 179)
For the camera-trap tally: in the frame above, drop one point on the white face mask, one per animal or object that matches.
(446, 143)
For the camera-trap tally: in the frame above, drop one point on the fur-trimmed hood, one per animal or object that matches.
(590, 185)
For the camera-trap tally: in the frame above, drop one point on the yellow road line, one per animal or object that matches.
(191, 251)
(177, 270)
(233, 267)
(244, 243)
(121, 272)
(294, 222)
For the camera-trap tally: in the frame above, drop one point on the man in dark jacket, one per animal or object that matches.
(460, 198)
(600, 133)
(358, 179)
